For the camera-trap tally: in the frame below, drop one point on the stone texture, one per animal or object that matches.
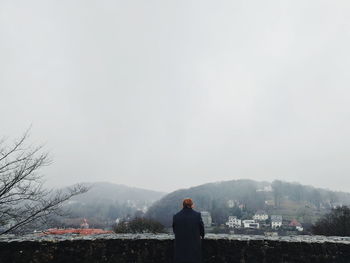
(159, 249)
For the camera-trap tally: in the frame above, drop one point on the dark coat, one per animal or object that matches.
(188, 229)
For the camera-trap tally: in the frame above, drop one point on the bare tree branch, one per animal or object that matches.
(23, 199)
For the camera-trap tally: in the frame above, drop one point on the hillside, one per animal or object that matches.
(244, 197)
(105, 202)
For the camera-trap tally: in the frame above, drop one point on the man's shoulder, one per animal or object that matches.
(197, 213)
(177, 214)
(191, 211)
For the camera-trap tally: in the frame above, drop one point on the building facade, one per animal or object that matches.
(234, 222)
(206, 217)
(276, 221)
(250, 224)
(261, 216)
(297, 225)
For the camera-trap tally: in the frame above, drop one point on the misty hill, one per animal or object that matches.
(108, 192)
(244, 197)
(105, 202)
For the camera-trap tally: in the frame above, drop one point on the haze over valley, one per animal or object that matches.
(150, 102)
(105, 203)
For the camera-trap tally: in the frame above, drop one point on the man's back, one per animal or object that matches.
(188, 229)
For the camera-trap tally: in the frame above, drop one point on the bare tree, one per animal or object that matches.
(23, 199)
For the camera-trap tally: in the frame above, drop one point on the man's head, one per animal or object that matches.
(187, 202)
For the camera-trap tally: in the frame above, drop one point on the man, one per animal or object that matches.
(188, 229)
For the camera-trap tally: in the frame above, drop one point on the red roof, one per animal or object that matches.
(81, 231)
(294, 222)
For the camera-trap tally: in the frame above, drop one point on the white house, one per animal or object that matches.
(206, 217)
(260, 216)
(299, 228)
(265, 189)
(230, 203)
(234, 222)
(250, 224)
(276, 221)
(144, 208)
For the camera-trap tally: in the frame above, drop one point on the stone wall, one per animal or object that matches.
(159, 249)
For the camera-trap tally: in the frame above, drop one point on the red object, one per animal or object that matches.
(294, 222)
(86, 231)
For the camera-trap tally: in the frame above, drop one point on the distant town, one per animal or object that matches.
(231, 207)
(260, 223)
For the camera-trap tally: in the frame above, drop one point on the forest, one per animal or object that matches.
(242, 198)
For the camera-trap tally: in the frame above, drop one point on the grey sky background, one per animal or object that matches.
(170, 94)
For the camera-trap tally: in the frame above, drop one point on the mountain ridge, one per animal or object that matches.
(243, 197)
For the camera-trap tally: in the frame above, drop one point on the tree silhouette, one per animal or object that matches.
(335, 223)
(139, 225)
(23, 199)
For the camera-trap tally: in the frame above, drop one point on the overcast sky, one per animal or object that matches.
(170, 94)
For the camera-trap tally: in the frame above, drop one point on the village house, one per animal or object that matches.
(206, 217)
(230, 203)
(233, 203)
(276, 221)
(336, 204)
(260, 215)
(267, 188)
(250, 224)
(269, 202)
(234, 222)
(297, 225)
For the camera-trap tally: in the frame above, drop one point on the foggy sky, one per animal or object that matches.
(170, 94)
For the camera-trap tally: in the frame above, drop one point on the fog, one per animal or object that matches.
(170, 94)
